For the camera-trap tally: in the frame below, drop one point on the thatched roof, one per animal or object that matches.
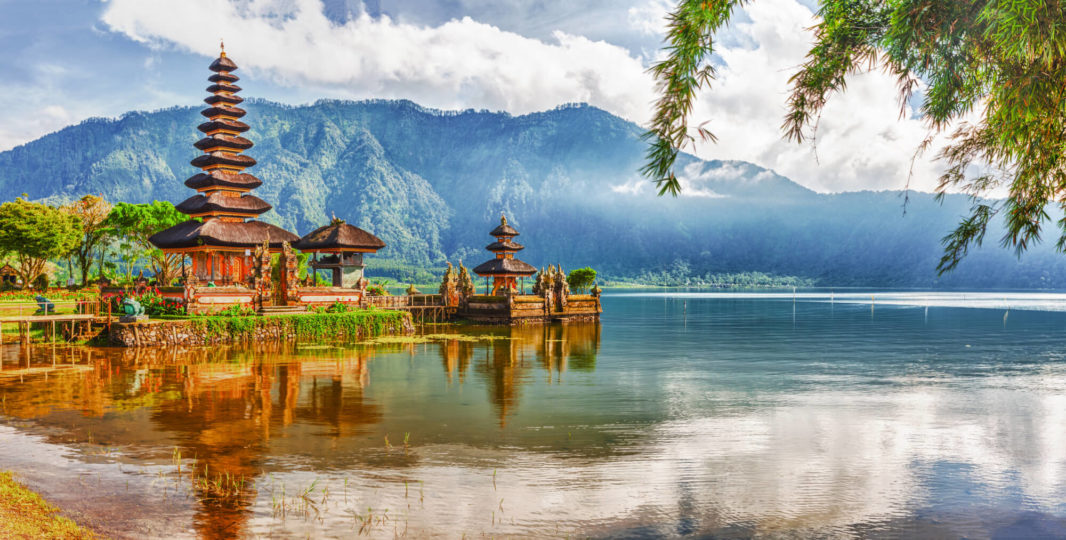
(223, 63)
(222, 110)
(505, 245)
(504, 267)
(229, 99)
(223, 87)
(339, 236)
(223, 158)
(223, 141)
(220, 178)
(218, 233)
(222, 123)
(504, 230)
(217, 202)
(224, 77)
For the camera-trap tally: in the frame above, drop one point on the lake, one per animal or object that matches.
(816, 413)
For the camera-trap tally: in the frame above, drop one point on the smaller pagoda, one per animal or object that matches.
(504, 269)
(343, 246)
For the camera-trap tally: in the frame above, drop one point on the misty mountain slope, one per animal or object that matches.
(432, 184)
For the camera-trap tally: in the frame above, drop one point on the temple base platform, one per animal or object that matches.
(529, 309)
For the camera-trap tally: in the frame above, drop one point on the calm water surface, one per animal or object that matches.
(734, 415)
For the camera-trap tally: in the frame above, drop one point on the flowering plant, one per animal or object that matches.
(154, 303)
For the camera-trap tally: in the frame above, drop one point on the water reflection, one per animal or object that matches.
(243, 412)
(715, 417)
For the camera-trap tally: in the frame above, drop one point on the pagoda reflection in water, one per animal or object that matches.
(236, 411)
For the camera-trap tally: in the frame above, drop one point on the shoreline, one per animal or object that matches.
(24, 513)
(221, 329)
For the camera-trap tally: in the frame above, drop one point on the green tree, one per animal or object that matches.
(133, 224)
(1005, 58)
(580, 279)
(92, 211)
(35, 233)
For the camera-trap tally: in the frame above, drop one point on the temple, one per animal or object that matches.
(343, 246)
(504, 269)
(503, 301)
(222, 233)
(237, 260)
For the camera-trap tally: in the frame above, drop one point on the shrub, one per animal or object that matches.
(236, 310)
(41, 283)
(339, 307)
(581, 279)
(378, 288)
(356, 324)
(155, 304)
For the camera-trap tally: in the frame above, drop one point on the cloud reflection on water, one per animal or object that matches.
(736, 423)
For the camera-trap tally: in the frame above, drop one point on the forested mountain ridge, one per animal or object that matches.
(432, 184)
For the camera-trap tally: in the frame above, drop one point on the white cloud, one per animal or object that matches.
(461, 63)
(466, 63)
(861, 142)
(649, 17)
(39, 114)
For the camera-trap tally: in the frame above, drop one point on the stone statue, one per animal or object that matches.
(538, 282)
(261, 281)
(44, 305)
(131, 306)
(447, 290)
(596, 291)
(466, 283)
(288, 276)
(290, 272)
(133, 311)
(445, 281)
(561, 289)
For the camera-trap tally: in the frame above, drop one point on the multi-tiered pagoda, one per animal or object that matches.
(504, 269)
(223, 232)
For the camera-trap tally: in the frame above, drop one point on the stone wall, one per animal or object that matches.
(186, 332)
(529, 309)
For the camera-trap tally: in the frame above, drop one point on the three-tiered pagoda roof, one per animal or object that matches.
(504, 265)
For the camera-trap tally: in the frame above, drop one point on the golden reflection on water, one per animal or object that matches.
(729, 429)
(230, 411)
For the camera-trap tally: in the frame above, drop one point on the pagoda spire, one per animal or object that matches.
(223, 184)
(504, 268)
(223, 211)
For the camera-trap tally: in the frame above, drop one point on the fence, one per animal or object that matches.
(60, 307)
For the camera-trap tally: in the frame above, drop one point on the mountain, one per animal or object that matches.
(433, 183)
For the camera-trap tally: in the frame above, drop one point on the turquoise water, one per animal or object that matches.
(908, 414)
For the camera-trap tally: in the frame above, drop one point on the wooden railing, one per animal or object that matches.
(403, 301)
(62, 307)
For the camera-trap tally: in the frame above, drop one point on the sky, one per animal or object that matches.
(68, 60)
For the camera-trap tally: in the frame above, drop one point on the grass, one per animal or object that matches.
(305, 326)
(24, 514)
